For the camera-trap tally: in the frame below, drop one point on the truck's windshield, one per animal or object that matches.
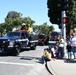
(13, 34)
(55, 34)
(41, 36)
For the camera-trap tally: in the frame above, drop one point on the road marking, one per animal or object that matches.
(20, 64)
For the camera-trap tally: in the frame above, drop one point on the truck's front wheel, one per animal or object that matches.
(33, 46)
(17, 50)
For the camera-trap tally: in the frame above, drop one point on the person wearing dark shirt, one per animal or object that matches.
(69, 50)
(24, 27)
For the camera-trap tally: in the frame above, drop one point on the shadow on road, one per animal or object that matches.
(4, 53)
(37, 59)
(70, 60)
(29, 58)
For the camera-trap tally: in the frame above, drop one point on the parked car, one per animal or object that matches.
(41, 39)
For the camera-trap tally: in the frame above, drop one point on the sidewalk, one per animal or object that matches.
(62, 67)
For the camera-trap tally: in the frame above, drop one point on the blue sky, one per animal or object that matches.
(35, 9)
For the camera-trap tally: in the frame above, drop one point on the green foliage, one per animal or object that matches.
(13, 14)
(51, 28)
(72, 16)
(11, 23)
(35, 28)
(14, 19)
(43, 29)
(73, 13)
(16, 22)
(28, 21)
(54, 11)
(2, 26)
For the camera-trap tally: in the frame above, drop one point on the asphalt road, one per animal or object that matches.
(27, 63)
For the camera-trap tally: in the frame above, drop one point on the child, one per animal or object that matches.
(46, 56)
(56, 51)
(52, 52)
(69, 49)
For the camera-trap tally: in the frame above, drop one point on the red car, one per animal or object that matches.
(41, 39)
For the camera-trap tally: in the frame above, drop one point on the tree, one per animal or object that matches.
(13, 14)
(8, 24)
(35, 28)
(2, 28)
(54, 11)
(72, 17)
(43, 29)
(51, 28)
(14, 19)
(28, 21)
(72, 13)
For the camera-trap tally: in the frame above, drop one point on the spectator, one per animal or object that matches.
(46, 55)
(56, 51)
(69, 49)
(61, 47)
(73, 41)
(24, 27)
(52, 50)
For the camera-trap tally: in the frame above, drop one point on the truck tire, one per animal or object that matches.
(33, 47)
(17, 50)
(43, 43)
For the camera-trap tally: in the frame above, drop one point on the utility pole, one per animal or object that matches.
(63, 13)
(65, 6)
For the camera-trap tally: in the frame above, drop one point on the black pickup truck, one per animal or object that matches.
(14, 42)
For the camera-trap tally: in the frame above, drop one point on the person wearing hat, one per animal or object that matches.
(24, 27)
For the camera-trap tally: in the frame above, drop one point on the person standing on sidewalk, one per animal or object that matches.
(69, 49)
(73, 41)
(61, 47)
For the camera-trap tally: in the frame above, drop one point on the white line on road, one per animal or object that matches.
(20, 64)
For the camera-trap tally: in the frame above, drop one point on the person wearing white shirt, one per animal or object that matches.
(73, 42)
(61, 47)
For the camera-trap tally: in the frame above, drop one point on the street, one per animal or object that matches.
(27, 63)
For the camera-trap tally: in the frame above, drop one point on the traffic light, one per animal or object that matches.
(66, 20)
(66, 4)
